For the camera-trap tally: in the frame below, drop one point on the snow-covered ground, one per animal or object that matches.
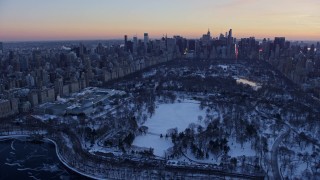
(168, 116)
(176, 115)
(254, 85)
(67, 141)
(160, 145)
(44, 117)
(211, 159)
(96, 148)
(236, 150)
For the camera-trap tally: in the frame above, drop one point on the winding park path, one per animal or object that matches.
(274, 155)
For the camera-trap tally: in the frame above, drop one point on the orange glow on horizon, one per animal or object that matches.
(94, 19)
(96, 33)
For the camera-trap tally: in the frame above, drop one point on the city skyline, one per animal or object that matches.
(36, 20)
(108, 97)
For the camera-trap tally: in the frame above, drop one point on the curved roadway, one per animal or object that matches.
(274, 155)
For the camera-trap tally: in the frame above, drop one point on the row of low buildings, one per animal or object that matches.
(23, 99)
(90, 101)
(126, 67)
(31, 77)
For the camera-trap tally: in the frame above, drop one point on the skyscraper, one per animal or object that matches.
(192, 45)
(125, 42)
(279, 41)
(81, 49)
(1, 47)
(16, 63)
(231, 52)
(37, 59)
(24, 63)
(135, 44)
(146, 40)
(206, 39)
(230, 38)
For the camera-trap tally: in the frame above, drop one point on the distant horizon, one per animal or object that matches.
(43, 20)
(141, 37)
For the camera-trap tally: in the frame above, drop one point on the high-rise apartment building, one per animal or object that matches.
(58, 86)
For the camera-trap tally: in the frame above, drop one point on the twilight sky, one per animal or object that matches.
(22, 20)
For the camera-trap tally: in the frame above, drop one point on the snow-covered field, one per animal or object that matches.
(160, 145)
(237, 150)
(167, 116)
